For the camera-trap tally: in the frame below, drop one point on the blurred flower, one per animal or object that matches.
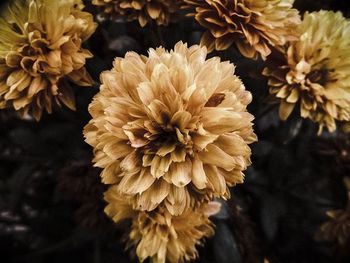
(142, 10)
(171, 128)
(315, 71)
(337, 229)
(254, 26)
(80, 181)
(79, 184)
(345, 127)
(159, 235)
(40, 51)
(335, 152)
(245, 233)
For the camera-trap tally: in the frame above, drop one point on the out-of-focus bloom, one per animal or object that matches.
(335, 152)
(337, 229)
(314, 72)
(345, 127)
(79, 183)
(158, 234)
(171, 128)
(40, 51)
(244, 231)
(255, 26)
(161, 11)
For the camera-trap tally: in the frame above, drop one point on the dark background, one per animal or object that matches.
(51, 198)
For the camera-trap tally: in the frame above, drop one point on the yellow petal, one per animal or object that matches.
(215, 156)
(180, 173)
(285, 109)
(199, 178)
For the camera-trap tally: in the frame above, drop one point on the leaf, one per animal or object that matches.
(18, 185)
(225, 247)
(272, 208)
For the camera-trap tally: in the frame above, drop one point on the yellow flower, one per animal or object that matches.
(314, 72)
(159, 235)
(40, 51)
(171, 128)
(161, 11)
(255, 26)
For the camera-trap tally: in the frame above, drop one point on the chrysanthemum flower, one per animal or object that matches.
(171, 128)
(40, 51)
(334, 152)
(161, 11)
(253, 25)
(337, 228)
(158, 235)
(314, 72)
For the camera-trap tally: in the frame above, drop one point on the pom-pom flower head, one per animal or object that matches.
(171, 128)
(160, 11)
(160, 236)
(255, 26)
(40, 50)
(314, 72)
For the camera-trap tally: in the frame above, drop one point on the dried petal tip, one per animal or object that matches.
(255, 26)
(171, 128)
(158, 235)
(40, 51)
(314, 72)
(160, 11)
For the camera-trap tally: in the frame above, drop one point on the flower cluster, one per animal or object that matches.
(161, 11)
(254, 26)
(313, 73)
(171, 130)
(40, 52)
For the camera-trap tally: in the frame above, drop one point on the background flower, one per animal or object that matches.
(79, 184)
(40, 51)
(171, 128)
(255, 26)
(337, 228)
(314, 72)
(144, 11)
(334, 151)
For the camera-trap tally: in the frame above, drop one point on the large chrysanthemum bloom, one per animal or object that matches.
(158, 235)
(314, 72)
(40, 51)
(255, 26)
(161, 11)
(171, 128)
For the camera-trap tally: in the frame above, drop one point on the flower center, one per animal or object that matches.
(173, 138)
(319, 76)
